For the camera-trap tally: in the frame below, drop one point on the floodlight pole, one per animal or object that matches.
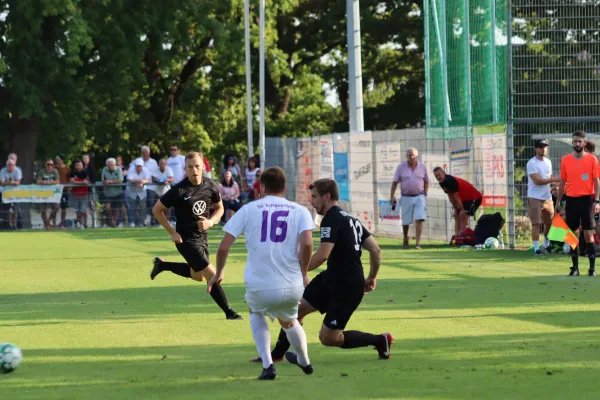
(248, 77)
(354, 67)
(263, 156)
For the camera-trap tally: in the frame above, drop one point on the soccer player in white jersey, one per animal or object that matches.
(278, 236)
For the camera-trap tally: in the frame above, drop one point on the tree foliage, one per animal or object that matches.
(106, 76)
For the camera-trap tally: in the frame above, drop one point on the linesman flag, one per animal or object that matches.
(560, 232)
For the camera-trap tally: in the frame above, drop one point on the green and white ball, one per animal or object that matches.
(491, 243)
(10, 357)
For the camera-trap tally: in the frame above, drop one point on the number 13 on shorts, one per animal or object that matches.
(278, 225)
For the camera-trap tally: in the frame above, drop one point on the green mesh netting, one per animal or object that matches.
(466, 59)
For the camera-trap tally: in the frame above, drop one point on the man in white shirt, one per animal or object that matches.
(137, 179)
(278, 236)
(541, 208)
(177, 163)
(152, 166)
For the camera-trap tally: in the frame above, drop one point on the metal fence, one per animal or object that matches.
(364, 165)
(555, 81)
(76, 207)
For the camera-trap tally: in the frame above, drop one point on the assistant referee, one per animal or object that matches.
(579, 181)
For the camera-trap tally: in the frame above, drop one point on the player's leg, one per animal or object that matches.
(217, 292)
(44, 216)
(535, 216)
(547, 217)
(259, 303)
(419, 215)
(406, 207)
(341, 308)
(573, 220)
(287, 316)
(588, 225)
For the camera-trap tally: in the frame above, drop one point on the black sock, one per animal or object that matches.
(353, 339)
(219, 296)
(181, 269)
(575, 257)
(282, 345)
(591, 253)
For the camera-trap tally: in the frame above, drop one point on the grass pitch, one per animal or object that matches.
(467, 324)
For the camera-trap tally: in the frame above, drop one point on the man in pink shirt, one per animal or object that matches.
(414, 183)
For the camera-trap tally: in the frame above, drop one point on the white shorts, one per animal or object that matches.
(413, 209)
(276, 303)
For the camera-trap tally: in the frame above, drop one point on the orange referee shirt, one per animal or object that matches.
(579, 173)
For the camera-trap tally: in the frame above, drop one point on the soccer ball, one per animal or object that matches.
(567, 248)
(491, 243)
(10, 357)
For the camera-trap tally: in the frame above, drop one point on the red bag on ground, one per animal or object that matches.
(464, 237)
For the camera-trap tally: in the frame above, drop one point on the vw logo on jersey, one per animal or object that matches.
(199, 207)
(584, 177)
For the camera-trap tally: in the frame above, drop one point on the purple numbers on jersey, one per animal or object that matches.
(276, 225)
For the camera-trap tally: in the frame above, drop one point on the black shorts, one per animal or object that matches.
(580, 212)
(194, 253)
(470, 207)
(64, 201)
(232, 205)
(337, 303)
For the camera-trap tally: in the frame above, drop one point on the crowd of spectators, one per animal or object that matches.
(119, 195)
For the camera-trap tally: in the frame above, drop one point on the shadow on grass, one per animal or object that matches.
(458, 292)
(476, 367)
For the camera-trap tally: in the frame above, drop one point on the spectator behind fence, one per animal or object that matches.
(137, 178)
(258, 194)
(151, 165)
(250, 174)
(163, 179)
(112, 177)
(177, 163)
(64, 172)
(48, 176)
(125, 203)
(414, 184)
(79, 193)
(11, 175)
(463, 196)
(206, 167)
(230, 193)
(88, 167)
(230, 164)
(13, 156)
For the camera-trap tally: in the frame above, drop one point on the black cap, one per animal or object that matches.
(541, 143)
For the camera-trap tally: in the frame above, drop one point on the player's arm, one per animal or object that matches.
(219, 211)
(538, 180)
(321, 255)
(374, 260)
(561, 191)
(596, 195)
(456, 201)
(304, 252)
(222, 254)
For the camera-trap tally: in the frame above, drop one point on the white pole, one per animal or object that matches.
(355, 94)
(248, 77)
(263, 157)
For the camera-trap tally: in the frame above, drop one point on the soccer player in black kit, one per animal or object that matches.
(193, 199)
(338, 291)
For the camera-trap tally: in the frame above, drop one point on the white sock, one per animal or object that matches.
(536, 245)
(546, 242)
(262, 338)
(297, 338)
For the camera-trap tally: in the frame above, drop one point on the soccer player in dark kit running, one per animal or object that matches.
(193, 198)
(338, 291)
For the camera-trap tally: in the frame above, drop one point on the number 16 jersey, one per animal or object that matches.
(272, 228)
(347, 234)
